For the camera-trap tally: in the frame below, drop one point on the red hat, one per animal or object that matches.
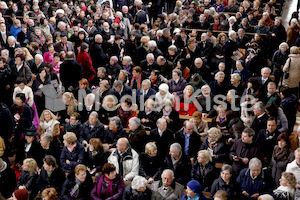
(117, 19)
(21, 194)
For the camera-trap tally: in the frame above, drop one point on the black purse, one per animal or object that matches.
(286, 75)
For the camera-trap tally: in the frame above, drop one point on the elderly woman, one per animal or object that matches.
(236, 84)
(220, 121)
(282, 155)
(173, 54)
(127, 64)
(171, 115)
(163, 95)
(49, 146)
(215, 145)
(109, 184)
(200, 126)
(113, 68)
(279, 58)
(292, 67)
(72, 153)
(203, 170)
(126, 111)
(267, 19)
(114, 132)
(292, 32)
(103, 90)
(205, 97)
(78, 184)
(107, 109)
(150, 164)
(242, 71)
(48, 124)
(254, 180)
(136, 80)
(177, 83)
(219, 86)
(286, 190)
(149, 115)
(83, 85)
(137, 190)
(227, 183)
(193, 191)
(95, 156)
(182, 107)
(232, 24)
(123, 76)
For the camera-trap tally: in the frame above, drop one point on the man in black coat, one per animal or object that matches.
(4, 35)
(261, 118)
(242, 39)
(179, 163)
(206, 48)
(107, 35)
(264, 80)
(200, 68)
(277, 34)
(146, 91)
(188, 139)
(70, 72)
(165, 41)
(98, 56)
(162, 136)
(202, 24)
(7, 180)
(119, 89)
(148, 65)
(141, 17)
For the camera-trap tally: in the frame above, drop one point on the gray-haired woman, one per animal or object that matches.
(137, 190)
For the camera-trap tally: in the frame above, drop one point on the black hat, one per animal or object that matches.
(31, 131)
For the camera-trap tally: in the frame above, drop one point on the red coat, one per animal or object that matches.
(87, 66)
(185, 109)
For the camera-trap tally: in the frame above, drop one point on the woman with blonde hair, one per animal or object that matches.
(48, 124)
(71, 107)
(204, 171)
(107, 109)
(148, 116)
(50, 194)
(286, 190)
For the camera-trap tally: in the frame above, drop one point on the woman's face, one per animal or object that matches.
(82, 86)
(281, 144)
(189, 91)
(66, 100)
(81, 36)
(47, 116)
(255, 171)
(112, 175)
(25, 167)
(233, 80)
(142, 189)
(283, 48)
(220, 78)
(239, 66)
(225, 175)
(51, 48)
(102, 87)
(29, 139)
(43, 74)
(211, 138)
(283, 181)
(190, 192)
(162, 92)
(37, 32)
(18, 101)
(223, 39)
(121, 76)
(201, 158)
(168, 108)
(111, 62)
(44, 142)
(112, 126)
(135, 74)
(197, 120)
(148, 108)
(46, 166)
(152, 75)
(81, 176)
(175, 76)
(56, 59)
(18, 61)
(256, 37)
(222, 113)
(153, 153)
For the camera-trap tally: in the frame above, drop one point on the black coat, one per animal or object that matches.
(218, 89)
(70, 73)
(7, 182)
(75, 157)
(131, 194)
(241, 42)
(84, 188)
(221, 150)
(147, 68)
(162, 142)
(152, 117)
(205, 50)
(194, 142)
(96, 161)
(6, 122)
(56, 179)
(34, 152)
(113, 70)
(279, 60)
(141, 54)
(150, 167)
(137, 139)
(181, 169)
(233, 189)
(111, 137)
(75, 129)
(259, 123)
(163, 45)
(29, 181)
(126, 90)
(98, 56)
(205, 177)
(87, 132)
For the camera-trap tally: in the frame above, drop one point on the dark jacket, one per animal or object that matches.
(221, 150)
(259, 123)
(75, 129)
(28, 180)
(261, 184)
(84, 188)
(243, 150)
(70, 73)
(137, 139)
(126, 90)
(163, 45)
(204, 177)
(147, 68)
(34, 152)
(241, 42)
(174, 124)
(96, 161)
(7, 181)
(131, 194)
(181, 169)
(162, 142)
(56, 179)
(6, 122)
(279, 60)
(87, 132)
(141, 54)
(111, 137)
(177, 87)
(152, 117)
(117, 187)
(233, 189)
(75, 157)
(150, 167)
(139, 93)
(218, 89)
(194, 142)
(113, 70)
(98, 56)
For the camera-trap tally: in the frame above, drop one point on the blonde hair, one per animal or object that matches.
(221, 194)
(145, 39)
(31, 164)
(150, 102)
(206, 154)
(291, 179)
(42, 119)
(149, 147)
(109, 101)
(294, 50)
(72, 102)
(178, 3)
(215, 132)
(28, 56)
(70, 138)
(79, 167)
(50, 193)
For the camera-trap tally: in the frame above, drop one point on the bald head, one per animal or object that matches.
(122, 144)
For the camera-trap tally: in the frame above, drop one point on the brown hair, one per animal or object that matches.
(284, 137)
(84, 81)
(50, 193)
(96, 143)
(79, 167)
(197, 114)
(107, 168)
(137, 69)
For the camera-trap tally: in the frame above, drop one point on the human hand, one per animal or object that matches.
(68, 162)
(245, 160)
(246, 194)
(150, 180)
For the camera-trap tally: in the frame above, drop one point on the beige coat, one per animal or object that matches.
(294, 71)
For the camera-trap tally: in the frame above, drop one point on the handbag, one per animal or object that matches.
(287, 73)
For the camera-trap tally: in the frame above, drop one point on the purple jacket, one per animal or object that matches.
(219, 8)
(177, 87)
(118, 187)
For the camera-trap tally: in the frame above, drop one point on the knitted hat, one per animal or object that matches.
(194, 186)
(21, 194)
(31, 131)
(114, 59)
(164, 87)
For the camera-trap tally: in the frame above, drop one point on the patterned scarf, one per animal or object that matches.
(75, 191)
(138, 82)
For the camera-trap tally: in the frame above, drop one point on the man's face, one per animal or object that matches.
(246, 139)
(150, 60)
(189, 128)
(203, 37)
(121, 146)
(132, 127)
(167, 179)
(265, 73)
(198, 63)
(173, 153)
(162, 126)
(271, 89)
(93, 119)
(145, 86)
(168, 34)
(3, 27)
(64, 40)
(90, 23)
(37, 60)
(241, 33)
(125, 10)
(271, 126)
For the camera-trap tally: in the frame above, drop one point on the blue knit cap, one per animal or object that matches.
(194, 186)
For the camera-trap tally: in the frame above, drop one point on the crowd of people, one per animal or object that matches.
(136, 100)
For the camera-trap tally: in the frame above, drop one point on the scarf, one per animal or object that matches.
(47, 126)
(104, 180)
(127, 68)
(197, 197)
(137, 82)
(75, 191)
(153, 80)
(279, 153)
(281, 189)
